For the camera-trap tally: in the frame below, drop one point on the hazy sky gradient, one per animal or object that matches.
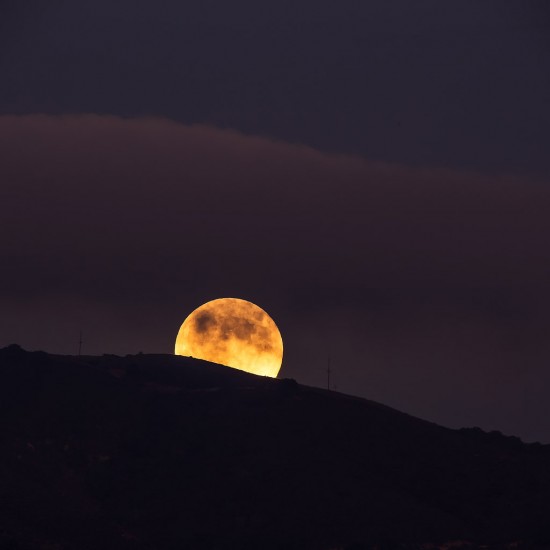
(427, 287)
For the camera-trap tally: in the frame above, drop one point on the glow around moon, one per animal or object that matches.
(235, 333)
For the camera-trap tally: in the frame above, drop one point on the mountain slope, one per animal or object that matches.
(155, 451)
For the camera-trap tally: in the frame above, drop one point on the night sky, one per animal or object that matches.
(375, 175)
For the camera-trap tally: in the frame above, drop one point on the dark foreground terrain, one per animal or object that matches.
(164, 452)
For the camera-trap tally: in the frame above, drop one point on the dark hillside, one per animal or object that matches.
(157, 451)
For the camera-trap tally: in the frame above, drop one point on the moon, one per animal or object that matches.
(235, 333)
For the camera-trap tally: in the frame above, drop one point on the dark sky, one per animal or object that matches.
(373, 174)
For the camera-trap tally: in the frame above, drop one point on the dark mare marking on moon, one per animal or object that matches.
(204, 322)
(242, 329)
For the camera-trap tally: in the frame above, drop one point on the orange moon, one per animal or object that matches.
(235, 333)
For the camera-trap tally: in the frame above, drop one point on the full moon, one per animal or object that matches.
(235, 333)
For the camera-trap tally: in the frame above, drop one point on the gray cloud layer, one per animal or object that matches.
(460, 83)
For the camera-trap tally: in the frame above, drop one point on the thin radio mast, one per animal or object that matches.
(328, 372)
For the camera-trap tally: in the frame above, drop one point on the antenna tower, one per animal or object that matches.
(328, 372)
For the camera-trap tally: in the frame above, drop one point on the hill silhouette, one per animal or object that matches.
(165, 452)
